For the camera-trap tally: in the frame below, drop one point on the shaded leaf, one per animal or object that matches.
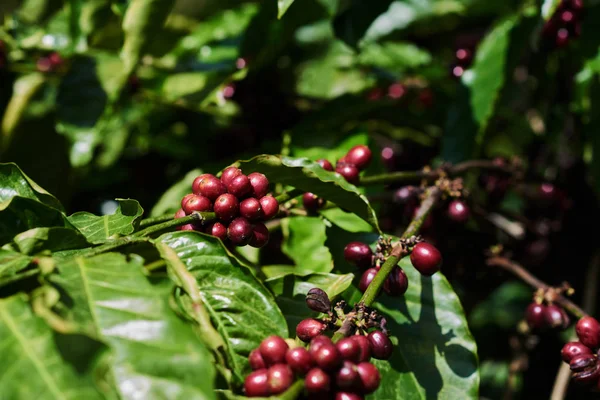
(548, 8)
(54, 239)
(12, 262)
(98, 229)
(33, 366)
(282, 6)
(504, 307)
(393, 56)
(156, 354)
(309, 176)
(14, 182)
(304, 243)
(241, 308)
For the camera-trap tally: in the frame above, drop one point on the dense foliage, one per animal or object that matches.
(194, 194)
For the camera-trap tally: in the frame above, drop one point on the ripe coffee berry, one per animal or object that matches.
(280, 378)
(588, 332)
(574, 349)
(226, 207)
(312, 202)
(218, 230)
(309, 328)
(209, 186)
(347, 378)
(396, 283)
(349, 172)
(229, 173)
(327, 357)
(326, 165)
(257, 384)
(259, 183)
(458, 211)
(426, 258)
(359, 254)
(349, 349)
(273, 350)
(317, 381)
(556, 317)
(369, 377)
(250, 209)
(256, 361)
(260, 235)
(534, 315)
(359, 155)
(365, 347)
(366, 279)
(186, 198)
(240, 186)
(381, 345)
(299, 360)
(179, 214)
(240, 231)
(270, 206)
(196, 203)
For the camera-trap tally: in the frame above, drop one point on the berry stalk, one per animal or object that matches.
(173, 223)
(534, 282)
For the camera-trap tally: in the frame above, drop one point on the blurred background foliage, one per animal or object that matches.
(113, 98)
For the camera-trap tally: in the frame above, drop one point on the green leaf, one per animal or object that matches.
(290, 292)
(14, 182)
(241, 308)
(393, 56)
(20, 214)
(503, 307)
(309, 176)
(99, 229)
(435, 355)
(54, 239)
(142, 21)
(345, 220)
(155, 354)
(33, 366)
(170, 201)
(12, 262)
(548, 8)
(282, 6)
(304, 243)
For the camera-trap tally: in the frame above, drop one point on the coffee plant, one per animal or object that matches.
(318, 199)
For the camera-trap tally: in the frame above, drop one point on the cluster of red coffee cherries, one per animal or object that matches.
(540, 317)
(239, 202)
(425, 257)
(49, 63)
(349, 166)
(582, 355)
(565, 24)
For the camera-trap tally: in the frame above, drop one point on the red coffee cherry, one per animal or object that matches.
(326, 165)
(426, 258)
(250, 209)
(240, 231)
(556, 317)
(381, 345)
(226, 207)
(349, 349)
(574, 349)
(348, 396)
(349, 172)
(316, 344)
(359, 155)
(259, 183)
(196, 203)
(369, 377)
(186, 227)
(240, 186)
(270, 206)
(366, 279)
(458, 211)
(273, 350)
(309, 328)
(359, 254)
(327, 357)
(588, 332)
(256, 361)
(535, 316)
(209, 186)
(312, 202)
(179, 214)
(317, 381)
(582, 362)
(186, 198)
(347, 378)
(299, 360)
(260, 235)
(257, 384)
(280, 378)
(365, 347)
(217, 230)
(229, 173)
(396, 283)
